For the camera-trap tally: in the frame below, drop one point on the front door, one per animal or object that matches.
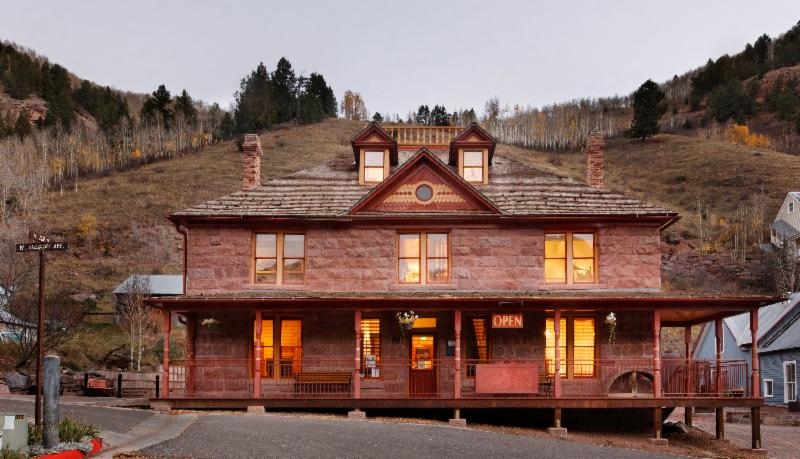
(422, 371)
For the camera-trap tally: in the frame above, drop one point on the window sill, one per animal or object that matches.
(544, 286)
(275, 286)
(441, 286)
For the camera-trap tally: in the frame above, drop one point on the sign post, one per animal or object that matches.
(41, 245)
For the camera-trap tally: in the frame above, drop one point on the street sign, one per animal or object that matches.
(38, 246)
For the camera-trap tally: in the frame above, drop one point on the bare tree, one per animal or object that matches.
(786, 268)
(136, 319)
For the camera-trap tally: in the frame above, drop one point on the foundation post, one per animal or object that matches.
(720, 423)
(557, 430)
(755, 427)
(658, 420)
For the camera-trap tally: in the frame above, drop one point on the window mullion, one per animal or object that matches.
(423, 259)
(568, 267)
(279, 258)
(570, 347)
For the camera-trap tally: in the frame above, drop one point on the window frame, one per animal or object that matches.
(382, 167)
(362, 166)
(568, 369)
(268, 365)
(280, 259)
(786, 383)
(377, 347)
(482, 167)
(768, 393)
(569, 271)
(423, 257)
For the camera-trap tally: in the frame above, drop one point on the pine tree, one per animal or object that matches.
(284, 91)
(157, 105)
(377, 117)
(254, 109)
(57, 92)
(23, 126)
(423, 116)
(648, 107)
(439, 116)
(185, 106)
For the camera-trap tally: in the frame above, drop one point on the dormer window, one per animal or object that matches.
(374, 166)
(472, 169)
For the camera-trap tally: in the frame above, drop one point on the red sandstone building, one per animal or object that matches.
(294, 289)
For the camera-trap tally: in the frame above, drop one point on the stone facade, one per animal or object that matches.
(220, 260)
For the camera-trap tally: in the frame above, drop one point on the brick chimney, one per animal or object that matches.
(594, 160)
(251, 162)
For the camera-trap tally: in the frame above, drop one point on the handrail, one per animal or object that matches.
(415, 135)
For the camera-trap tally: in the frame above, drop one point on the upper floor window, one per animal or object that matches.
(423, 258)
(373, 166)
(280, 258)
(569, 258)
(791, 207)
(472, 166)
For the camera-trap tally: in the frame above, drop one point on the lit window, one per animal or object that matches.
(371, 348)
(576, 347)
(290, 348)
(373, 166)
(473, 166)
(569, 258)
(280, 258)
(423, 251)
(477, 345)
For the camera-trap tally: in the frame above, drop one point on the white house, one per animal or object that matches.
(786, 227)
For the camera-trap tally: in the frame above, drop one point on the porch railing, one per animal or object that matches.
(410, 135)
(436, 378)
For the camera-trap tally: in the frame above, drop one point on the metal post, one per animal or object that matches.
(39, 341)
(657, 388)
(457, 384)
(52, 370)
(119, 385)
(158, 387)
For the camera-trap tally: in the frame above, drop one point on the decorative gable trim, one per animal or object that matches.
(373, 136)
(450, 193)
(473, 136)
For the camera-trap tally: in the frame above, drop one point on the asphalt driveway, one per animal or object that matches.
(238, 436)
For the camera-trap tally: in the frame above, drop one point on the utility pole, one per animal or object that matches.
(41, 245)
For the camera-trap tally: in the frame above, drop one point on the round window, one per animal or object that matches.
(424, 192)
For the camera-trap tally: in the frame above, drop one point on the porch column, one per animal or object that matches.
(755, 382)
(257, 354)
(166, 315)
(557, 355)
(719, 411)
(191, 331)
(687, 343)
(457, 375)
(657, 389)
(357, 366)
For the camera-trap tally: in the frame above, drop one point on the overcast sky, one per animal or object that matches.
(396, 54)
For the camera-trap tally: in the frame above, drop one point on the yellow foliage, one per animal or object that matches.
(136, 154)
(57, 166)
(87, 226)
(740, 134)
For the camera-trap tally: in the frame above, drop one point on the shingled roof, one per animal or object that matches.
(331, 189)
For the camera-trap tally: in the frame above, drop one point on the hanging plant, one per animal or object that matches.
(209, 322)
(406, 319)
(611, 322)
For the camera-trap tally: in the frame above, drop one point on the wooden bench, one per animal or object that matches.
(317, 383)
(98, 386)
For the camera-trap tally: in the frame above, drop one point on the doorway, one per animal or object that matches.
(422, 371)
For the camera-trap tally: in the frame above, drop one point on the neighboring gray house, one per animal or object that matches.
(160, 285)
(786, 227)
(10, 325)
(778, 346)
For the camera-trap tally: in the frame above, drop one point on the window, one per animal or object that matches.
(291, 349)
(789, 381)
(423, 256)
(280, 258)
(373, 166)
(569, 258)
(472, 166)
(768, 389)
(371, 348)
(791, 207)
(576, 346)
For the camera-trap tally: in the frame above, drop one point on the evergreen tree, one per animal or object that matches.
(284, 91)
(377, 117)
(185, 106)
(227, 127)
(254, 109)
(423, 115)
(157, 106)
(23, 126)
(107, 107)
(57, 92)
(439, 116)
(648, 107)
(319, 89)
(730, 101)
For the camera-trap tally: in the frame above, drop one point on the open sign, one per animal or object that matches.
(506, 320)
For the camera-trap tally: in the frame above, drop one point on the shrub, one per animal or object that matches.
(71, 431)
(740, 134)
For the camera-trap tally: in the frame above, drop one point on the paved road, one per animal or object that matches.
(222, 436)
(111, 419)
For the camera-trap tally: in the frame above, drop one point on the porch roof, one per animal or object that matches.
(677, 309)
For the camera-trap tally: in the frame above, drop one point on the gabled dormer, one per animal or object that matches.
(374, 152)
(471, 154)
